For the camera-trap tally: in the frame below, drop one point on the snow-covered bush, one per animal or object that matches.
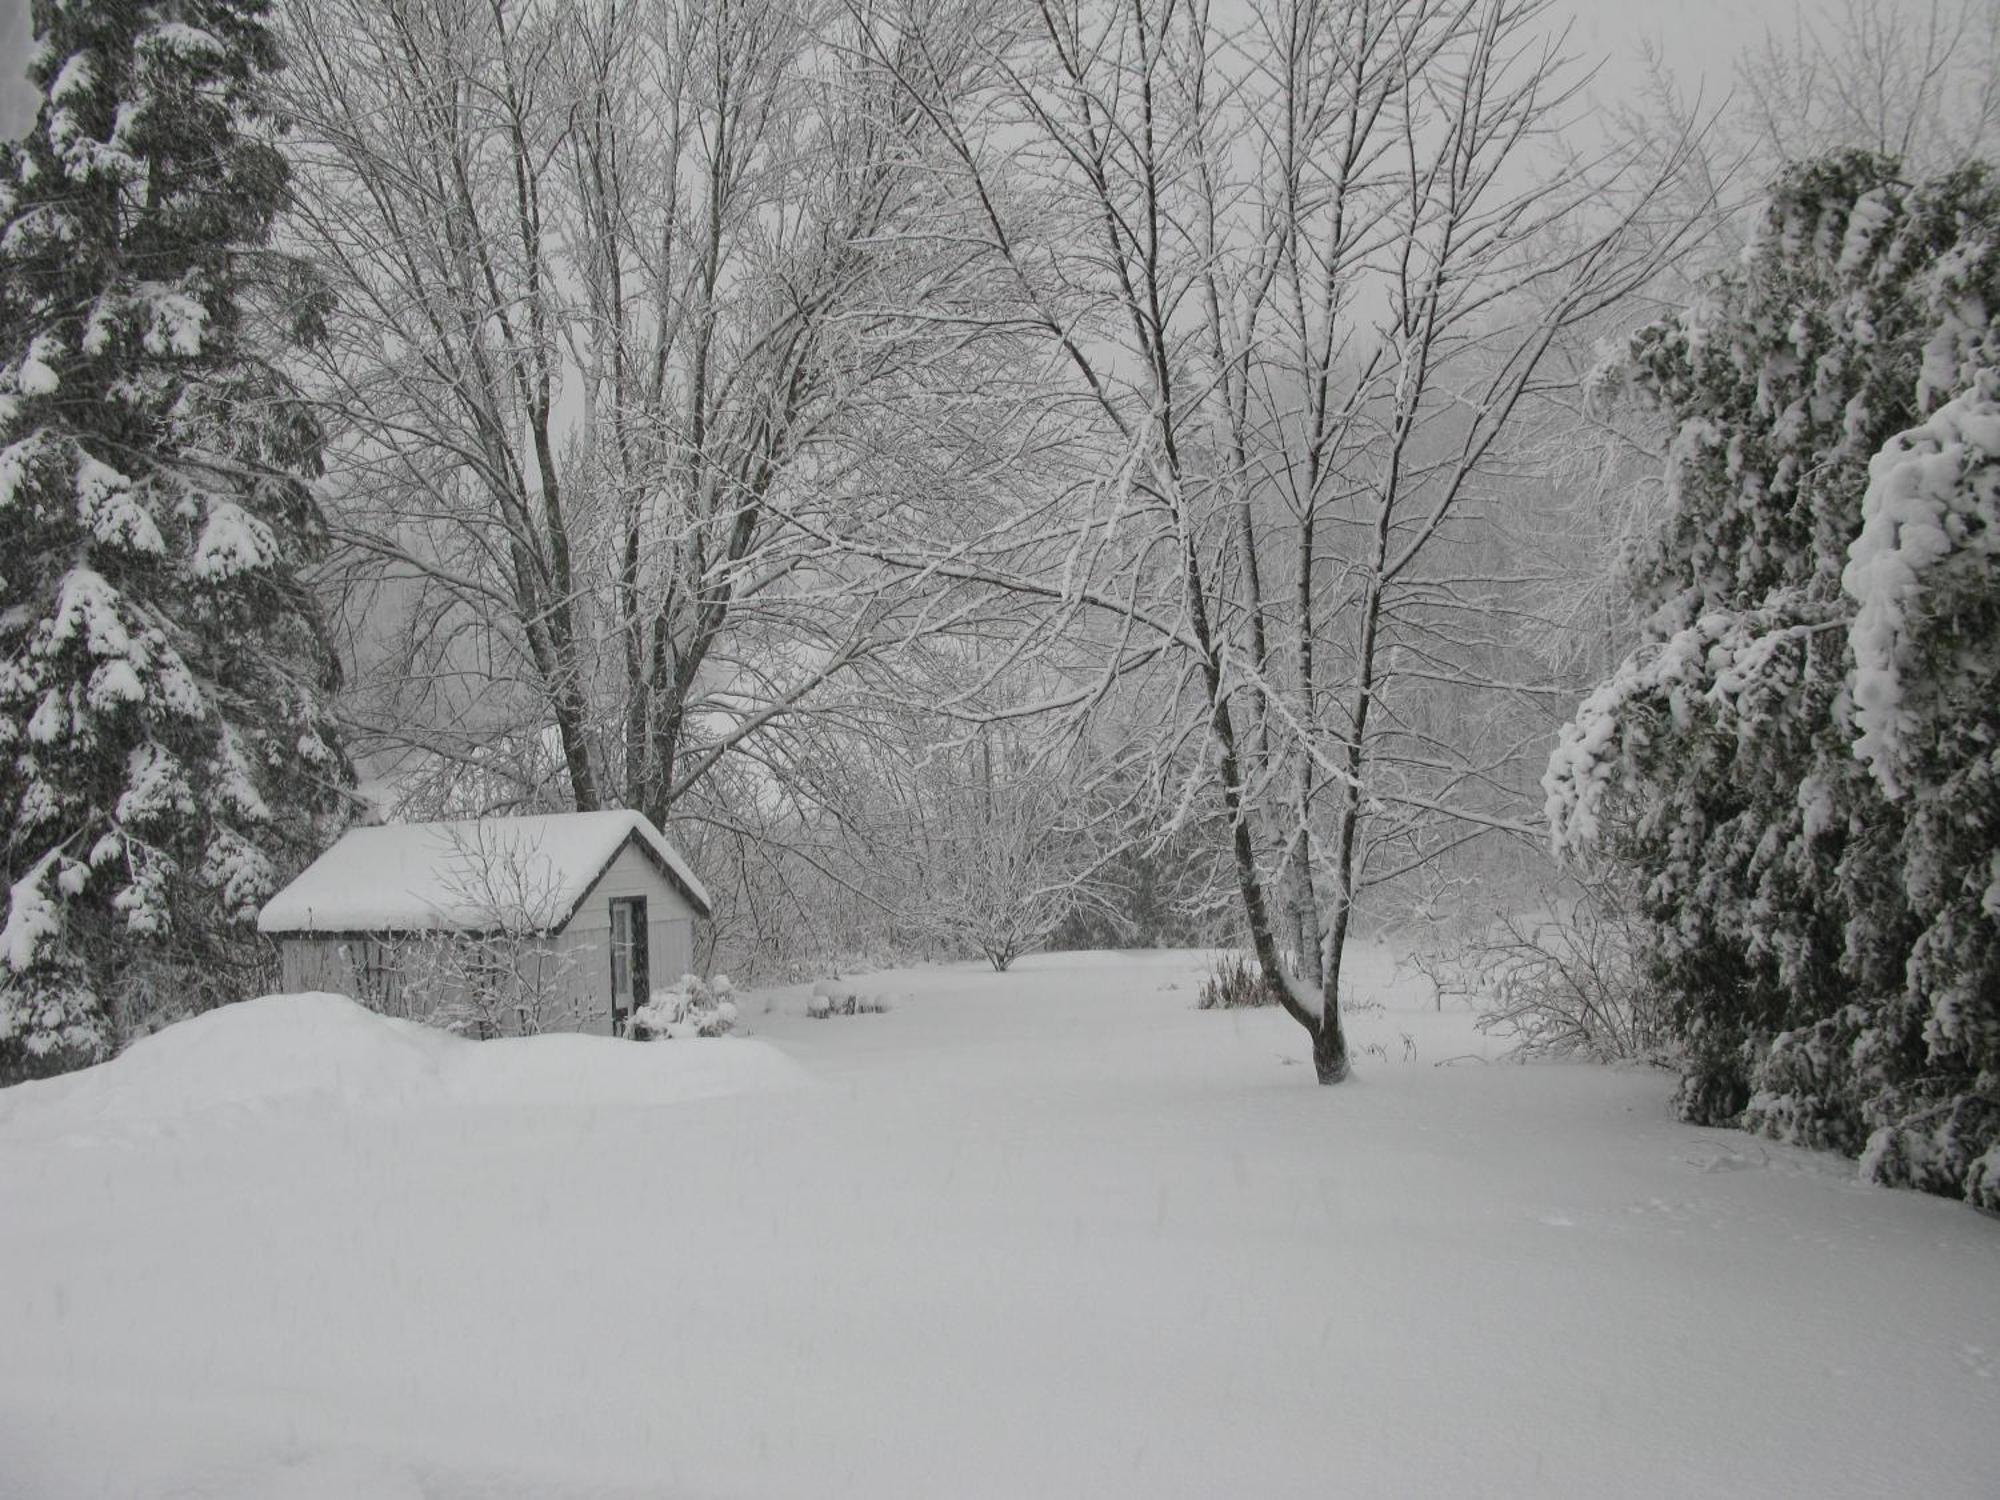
(1909, 1079)
(838, 997)
(1866, 1086)
(1797, 760)
(1810, 1083)
(690, 1007)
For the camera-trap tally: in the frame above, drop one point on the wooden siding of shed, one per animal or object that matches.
(669, 921)
(630, 874)
(320, 963)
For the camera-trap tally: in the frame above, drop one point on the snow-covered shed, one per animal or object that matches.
(594, 908)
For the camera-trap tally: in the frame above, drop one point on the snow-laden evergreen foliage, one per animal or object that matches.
(164, 744)
(1926, 644)
(1803, 773)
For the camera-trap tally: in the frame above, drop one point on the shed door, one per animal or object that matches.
(631, 979)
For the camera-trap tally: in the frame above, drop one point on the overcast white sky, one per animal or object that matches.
(1698, 37)
(17, 98)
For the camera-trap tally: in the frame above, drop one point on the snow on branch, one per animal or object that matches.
(32, 917)
(1933, 494)
(1733, 666)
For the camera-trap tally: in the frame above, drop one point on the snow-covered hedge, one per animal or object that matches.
(1798, 758)
(1922, 574)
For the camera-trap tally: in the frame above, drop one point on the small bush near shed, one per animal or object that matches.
(692, 1007)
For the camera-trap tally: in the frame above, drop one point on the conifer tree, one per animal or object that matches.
(1797, 759)
(165, 744)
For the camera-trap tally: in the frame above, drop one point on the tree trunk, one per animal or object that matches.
(1330, 1048)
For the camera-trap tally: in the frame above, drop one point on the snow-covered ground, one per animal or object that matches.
(1052, 1233)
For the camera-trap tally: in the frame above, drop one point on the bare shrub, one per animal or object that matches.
(506, 975)
(1566, 979)
(489, 984)
(1235, 982)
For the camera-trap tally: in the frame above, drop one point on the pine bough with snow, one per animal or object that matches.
(165, 749)
(1800, 759)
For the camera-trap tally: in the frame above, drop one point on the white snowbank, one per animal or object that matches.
(326, 1054)
(1047, 1233)
(601, 1073)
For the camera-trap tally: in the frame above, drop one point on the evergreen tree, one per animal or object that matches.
(165, 746)
(1819, 935)
(1926, 694)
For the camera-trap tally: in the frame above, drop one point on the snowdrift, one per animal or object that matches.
(322, 1052)
(1048, 1232)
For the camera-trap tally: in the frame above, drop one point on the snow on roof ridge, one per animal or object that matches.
(525, 873)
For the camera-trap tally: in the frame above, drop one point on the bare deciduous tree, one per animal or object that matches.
(1010, 846)
(648, 364)
(1305, 275)
(1917, 80)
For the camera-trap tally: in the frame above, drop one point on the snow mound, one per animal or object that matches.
(248, 1056)
(322, 1051)
(595, 1070)
(323, 1476)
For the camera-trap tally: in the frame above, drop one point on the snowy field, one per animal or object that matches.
(1052, 1233)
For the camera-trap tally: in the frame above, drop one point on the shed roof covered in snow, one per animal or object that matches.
(479, 875)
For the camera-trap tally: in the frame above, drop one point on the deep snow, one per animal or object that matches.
(1051, 1233)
